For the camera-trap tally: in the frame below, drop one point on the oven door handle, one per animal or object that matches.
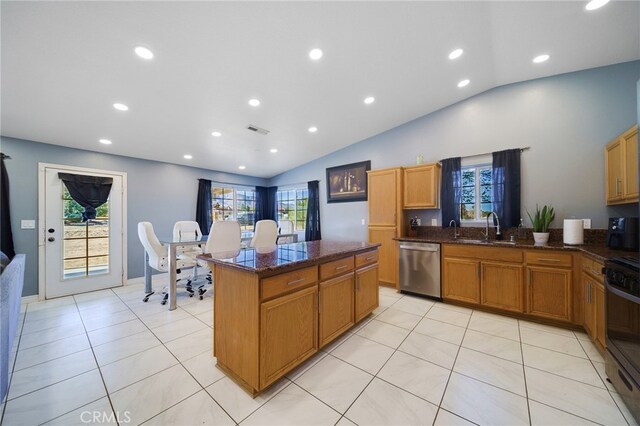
(622, 294)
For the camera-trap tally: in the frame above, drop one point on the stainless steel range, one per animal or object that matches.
(622, 310)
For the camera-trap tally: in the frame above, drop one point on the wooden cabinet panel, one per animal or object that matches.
(387, 254)
(500, 254)
(613, 170)
(421, 186)
(501, 286)
(383, 196)
(335, 268)
(336, 310)
(630, 141)
(287, 282)
(366, 258)
(621, 168)
(549, 293)
(589, 311)
(597, 297)
(288, 333)
(461, 280)
(366, 291)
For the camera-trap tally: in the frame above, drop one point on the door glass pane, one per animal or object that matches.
(85, 245)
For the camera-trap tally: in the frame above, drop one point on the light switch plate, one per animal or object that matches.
(362, 222)
(587, 223)
(28, 224)
(434, 222)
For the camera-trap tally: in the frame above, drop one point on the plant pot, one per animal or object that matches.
(541, 238)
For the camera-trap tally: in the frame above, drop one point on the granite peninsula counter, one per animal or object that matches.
(275, 307)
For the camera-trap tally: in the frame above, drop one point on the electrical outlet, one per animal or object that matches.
(419, 222)
(587, 223)
(28, 224)
(434, 222)
(362, 223)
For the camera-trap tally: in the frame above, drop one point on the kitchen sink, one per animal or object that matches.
(505, 243)
(468, 241)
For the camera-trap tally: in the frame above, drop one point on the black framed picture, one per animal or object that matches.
(348, 182)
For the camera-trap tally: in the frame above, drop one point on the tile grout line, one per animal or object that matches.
(524, 375)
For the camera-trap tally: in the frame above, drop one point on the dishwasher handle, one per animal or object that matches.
(435, 250)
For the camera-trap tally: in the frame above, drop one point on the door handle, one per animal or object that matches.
(51, 239)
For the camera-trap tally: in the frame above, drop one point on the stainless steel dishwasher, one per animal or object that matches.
(420, 268)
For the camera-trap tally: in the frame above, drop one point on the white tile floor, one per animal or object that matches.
(104, 357)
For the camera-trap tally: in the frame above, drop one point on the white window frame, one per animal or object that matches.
(295, 206)
(234, 209)
(478, 166)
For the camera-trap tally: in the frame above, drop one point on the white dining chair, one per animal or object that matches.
(188, 230)
(286, 226)
(266, 233)
(224, 236)
(158, 256)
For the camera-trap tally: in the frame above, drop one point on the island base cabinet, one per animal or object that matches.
(461, 280)
(501, 286)
(288, 333)
(366, 291)
(336, 307)
(549, 293)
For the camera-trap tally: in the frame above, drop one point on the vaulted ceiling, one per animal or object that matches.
(64, 65)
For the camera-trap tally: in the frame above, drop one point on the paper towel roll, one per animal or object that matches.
(573, 231)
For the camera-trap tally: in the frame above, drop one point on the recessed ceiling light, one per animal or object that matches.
(216, 134)
(541, 58)
(254, 102)
(464, 82)
(273, 150)
(105, 141)
(455, 54)
(188, 156)
(596, 4)
(242, 167)
(369, 100)
(315, 54)
(143, 52)
(313, 129)
(120, 107)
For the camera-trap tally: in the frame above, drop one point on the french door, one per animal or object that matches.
(81, 256)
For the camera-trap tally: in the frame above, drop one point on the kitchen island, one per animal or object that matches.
(275, 307)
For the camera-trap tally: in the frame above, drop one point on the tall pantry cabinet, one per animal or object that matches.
(385, 220)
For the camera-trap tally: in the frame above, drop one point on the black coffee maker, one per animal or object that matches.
(622, 233)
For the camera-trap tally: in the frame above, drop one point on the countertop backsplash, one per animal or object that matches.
(591, 236)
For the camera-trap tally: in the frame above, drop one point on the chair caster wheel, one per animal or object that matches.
(190, 294)
(201, 297)
(164, 302)
(146, 299)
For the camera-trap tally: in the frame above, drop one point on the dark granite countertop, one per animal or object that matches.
(596, 251)
(281, 258)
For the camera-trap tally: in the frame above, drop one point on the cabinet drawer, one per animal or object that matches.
(548, 258)
(366, 258)
(593, 268)
(335, 268)
(284, 283)
(501, 254)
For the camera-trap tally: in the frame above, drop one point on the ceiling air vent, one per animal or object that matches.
(257, 129)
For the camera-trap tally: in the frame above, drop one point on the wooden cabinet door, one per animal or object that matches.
(461, 280)
(613, 169)
(383, 192)
(366, 291)
(588, 306)
(387, 254)
(422, 187)
(549, 293)
(336, 310)
(597, 297)
(288, 333)
(630, 141)
(501, 286)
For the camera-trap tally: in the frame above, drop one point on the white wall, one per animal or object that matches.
(566, 120)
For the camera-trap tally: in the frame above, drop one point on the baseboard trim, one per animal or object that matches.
(29, 299)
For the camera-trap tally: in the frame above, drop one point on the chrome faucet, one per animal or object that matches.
(486, 230)
(455, 229)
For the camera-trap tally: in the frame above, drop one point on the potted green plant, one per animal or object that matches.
(540, 222)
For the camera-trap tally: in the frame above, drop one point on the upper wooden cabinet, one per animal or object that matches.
(422, 186)
(621, 168)
(384, 193)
